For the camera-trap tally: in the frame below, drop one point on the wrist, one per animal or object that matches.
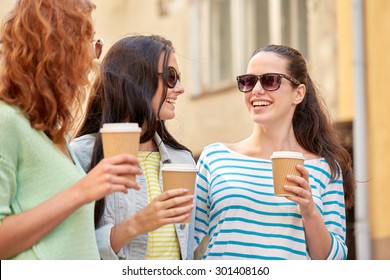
(123, 233)
(75, 196)
(134, 226)
(311, 216)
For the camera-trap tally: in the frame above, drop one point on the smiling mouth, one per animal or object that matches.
(260, 103)
(171, 101)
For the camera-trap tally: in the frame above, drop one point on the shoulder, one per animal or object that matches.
(84, 140)
(7, 109)
(318, 168)
(11, 116)
(82, 148)
(214, 148)
(83, 144)
(14, 125)
(179, 156)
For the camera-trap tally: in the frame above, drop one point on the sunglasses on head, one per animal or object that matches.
(170, 77)
(269, 81)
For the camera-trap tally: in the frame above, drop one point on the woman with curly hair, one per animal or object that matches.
(46, 201)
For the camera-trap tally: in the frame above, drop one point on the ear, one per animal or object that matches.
(300, 93)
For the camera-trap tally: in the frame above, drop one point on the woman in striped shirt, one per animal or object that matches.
(237, 214)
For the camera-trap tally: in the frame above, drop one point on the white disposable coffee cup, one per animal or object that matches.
(120, 138)
(284, 163)
(179, 176)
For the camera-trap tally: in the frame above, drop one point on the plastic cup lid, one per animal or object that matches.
(287, 154)
(179, 167)
(120, 127)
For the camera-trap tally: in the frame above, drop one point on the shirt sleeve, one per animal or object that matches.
(8, 163)
(7, 187)
(104, 244)
(202, 199)
(335, 219)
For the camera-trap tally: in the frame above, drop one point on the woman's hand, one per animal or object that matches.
(164, 209)
(303, 196)
(108, 177)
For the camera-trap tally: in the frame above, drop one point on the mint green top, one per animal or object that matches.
(33, 170)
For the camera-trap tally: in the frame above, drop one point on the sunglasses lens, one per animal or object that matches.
(270, 82)
(172, 77)
(246, 82)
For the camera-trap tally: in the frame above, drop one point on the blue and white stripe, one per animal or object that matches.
(237, 208)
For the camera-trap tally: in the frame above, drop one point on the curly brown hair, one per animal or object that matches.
(46, 56)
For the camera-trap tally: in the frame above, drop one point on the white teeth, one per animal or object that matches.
(261, 103)
(171, 101)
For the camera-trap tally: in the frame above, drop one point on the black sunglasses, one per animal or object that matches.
(269, 81)
(170, 77)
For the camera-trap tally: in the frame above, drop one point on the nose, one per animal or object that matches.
(258, 89)
(179, 89)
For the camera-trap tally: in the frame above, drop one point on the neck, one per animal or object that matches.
(266, 141)
(148, 146)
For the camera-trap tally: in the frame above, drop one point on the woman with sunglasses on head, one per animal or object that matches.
(139, 82)
(46, 201)
(237, 213)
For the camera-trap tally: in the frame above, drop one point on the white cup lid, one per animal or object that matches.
(287, 154)
(179, 167)
(120, 127)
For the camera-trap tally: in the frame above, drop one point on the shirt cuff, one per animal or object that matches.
(103, 241)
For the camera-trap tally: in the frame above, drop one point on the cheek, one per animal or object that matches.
(155, 105)
(157, 98)
(246, 99)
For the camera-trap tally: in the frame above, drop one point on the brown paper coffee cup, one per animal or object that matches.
(179, 176)
(284, 163)
(120, 138)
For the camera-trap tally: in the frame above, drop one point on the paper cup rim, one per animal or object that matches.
(179, 167)
(120, 127)
(287, 154)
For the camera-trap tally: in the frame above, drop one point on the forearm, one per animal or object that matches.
(21, 231)
(123, 233)
(318, 238)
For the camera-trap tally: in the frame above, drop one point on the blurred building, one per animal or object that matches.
(214, 40)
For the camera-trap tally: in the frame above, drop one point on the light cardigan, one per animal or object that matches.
(121, 206)
(33, 170)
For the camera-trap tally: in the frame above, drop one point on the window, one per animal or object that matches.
(220, 41)
(230, 30)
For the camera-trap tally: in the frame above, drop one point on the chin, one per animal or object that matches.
(167, 116)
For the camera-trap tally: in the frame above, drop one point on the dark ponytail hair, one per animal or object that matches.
(123, 92)
(312, 124)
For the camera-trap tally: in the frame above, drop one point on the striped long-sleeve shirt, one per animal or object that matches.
(237, 209)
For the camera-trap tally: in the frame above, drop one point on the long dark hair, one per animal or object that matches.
(123, 92)
(312, 124)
